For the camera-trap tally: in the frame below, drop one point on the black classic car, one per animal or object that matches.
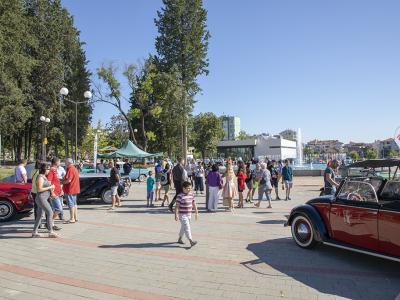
(97, 186)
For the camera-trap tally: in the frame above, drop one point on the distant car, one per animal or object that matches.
(363, 216)
(14, 198)
(136, 174)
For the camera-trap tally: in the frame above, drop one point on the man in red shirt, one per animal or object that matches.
(71, 189)
(56, 199)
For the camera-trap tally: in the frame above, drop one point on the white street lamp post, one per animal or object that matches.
(45, 121)
(87, 95)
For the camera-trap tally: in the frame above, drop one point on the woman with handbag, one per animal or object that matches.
(214, 185)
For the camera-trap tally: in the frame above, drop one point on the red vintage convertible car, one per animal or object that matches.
(14, 198)
(363, 215)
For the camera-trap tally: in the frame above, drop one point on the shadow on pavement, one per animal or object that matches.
(326, 269)
(271, 222)
(144, 245)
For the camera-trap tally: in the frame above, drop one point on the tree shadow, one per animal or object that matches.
(140, 246)
(326, 269)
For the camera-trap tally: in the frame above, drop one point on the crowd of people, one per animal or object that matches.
(52, 185)
(231, 184)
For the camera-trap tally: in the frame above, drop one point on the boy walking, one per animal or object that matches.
(184, 205)
(150, 189)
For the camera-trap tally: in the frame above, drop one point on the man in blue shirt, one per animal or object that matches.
(287, 179)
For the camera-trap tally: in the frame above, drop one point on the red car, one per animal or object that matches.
(363, 215)
(14, 198)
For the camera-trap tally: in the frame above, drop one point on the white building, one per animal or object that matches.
(272, 147)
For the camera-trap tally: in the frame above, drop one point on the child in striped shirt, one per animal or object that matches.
(184, 205)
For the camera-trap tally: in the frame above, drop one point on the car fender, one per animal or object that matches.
(321, 234)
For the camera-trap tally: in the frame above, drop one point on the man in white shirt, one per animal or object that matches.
(20, 172)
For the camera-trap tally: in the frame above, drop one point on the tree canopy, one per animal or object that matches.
(40, 52)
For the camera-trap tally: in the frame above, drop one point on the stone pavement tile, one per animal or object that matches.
(136, 258)
(48, 289)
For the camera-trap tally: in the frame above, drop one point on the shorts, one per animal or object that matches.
(56, 204)
(150, 194)
(114, 190)
(71, 200)
(166, 188)
(249, 185)
(255, 184)
(288, 184)
(240, 190)
(158, 185)
(274, 183)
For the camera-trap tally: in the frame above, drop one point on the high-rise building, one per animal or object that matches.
(231, 126)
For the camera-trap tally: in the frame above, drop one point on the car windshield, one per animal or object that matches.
(391, 191)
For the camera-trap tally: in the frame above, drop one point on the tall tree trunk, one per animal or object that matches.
(30, 139)
(184, 141)
(143, 132)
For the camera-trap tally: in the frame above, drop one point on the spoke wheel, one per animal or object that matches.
(303, 232)
(106, 196)
(7, 210)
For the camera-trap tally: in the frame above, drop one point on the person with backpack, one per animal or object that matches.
(166, 180)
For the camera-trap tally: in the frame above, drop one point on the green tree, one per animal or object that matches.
(182, 43)
(15, 67)
(354, 155)
(111, 93)
(392, 153)
(207, 132)
(243, 135)
(40, 51)
(308, 152)
(371, 153)
(87, 147)
(117, 131)
(144, 105)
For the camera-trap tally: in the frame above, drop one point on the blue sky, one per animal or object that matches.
(330, 68)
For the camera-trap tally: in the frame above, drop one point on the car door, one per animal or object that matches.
(389, 219)
(354, 215)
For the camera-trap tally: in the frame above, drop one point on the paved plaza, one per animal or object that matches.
(132, 253)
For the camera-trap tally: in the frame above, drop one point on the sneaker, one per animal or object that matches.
(162, 204)
(180, 242)
(53, 235)
(36, 235)
(56, 228)
(192, 243)
(277, 198)
(286, 199)
(289, 198)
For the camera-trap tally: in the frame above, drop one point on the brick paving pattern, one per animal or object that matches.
(131, 253)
